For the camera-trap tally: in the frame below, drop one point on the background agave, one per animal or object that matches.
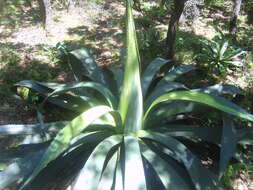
(127, 136)
(218, 56)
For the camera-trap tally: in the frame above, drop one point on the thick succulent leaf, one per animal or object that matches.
(172, 176)
(35, 86)
(92, 85)
(21, 151)
(176, 72)
(223, 48)
(89, 177)
(108, 176)
(73, 103)
(150, 73)
(99, 127)
(219, 89)
(30, 129)
(234, 54)
(110, 79)
(20, 169)
(163, 113)
(20, 129)
(119, 75)
(66, 101)
(245, 136)
(235, 63)
(201, 177)
(209, 134)
(108, 158)
(68, 165)
(82, 63)
(118, 179)
(228, 144)
(62, 140)
(50, 85)
(152, 179)
(206, 99)
(214, 47)
(131, 105)
(160, 90)
(134, 171)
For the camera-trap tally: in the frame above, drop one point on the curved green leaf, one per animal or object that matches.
(163, 113)
(131, 105)
(150, 73)
(50, 85)
(21, 151)
(96, 86)
(30, 129)
(245, 136)
(134, 171)
(89, 177)
(66, 101)
(228, 144)
(201, 177)
(13, 129)
(209, 134)
(62, 140)
(82, 63)
(219, 89)
(35, 86)
(175, 72)
(68, 165)
(20, 169)
(110, 79)
(223, 48)
(119, 75)
(160, 90)
(172, 177)
(203, 98)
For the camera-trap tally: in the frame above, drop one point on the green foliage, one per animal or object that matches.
(14, 72)
(235, 171)
(9, 57)
(150, 43)
(15, 15)
(218, 57)
(130, 132)
(57, 53)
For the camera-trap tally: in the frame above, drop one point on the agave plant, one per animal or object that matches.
(129, 132)
(218, 56)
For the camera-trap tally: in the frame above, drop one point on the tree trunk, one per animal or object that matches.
(235, 14)
(45, 12)
(173, 25)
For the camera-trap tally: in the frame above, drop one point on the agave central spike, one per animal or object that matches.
(131, 101)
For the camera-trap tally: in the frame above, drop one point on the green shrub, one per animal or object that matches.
(218, 57)
(131, 131)
(8, 57)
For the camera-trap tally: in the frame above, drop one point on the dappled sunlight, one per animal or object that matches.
(116, 127)
(134, 170)
(19, 129)
(91, 175)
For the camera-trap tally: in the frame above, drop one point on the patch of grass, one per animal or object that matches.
(18, 13)
(34, 70)
(186, 45)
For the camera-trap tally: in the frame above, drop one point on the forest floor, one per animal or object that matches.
(26, 49)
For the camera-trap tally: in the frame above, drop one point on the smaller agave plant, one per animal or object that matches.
(129, 134)
(218, 56)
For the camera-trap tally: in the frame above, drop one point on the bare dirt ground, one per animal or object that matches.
(92, 25)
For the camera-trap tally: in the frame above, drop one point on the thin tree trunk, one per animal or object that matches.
(173, 25)
(46, 13)
(235, 14)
